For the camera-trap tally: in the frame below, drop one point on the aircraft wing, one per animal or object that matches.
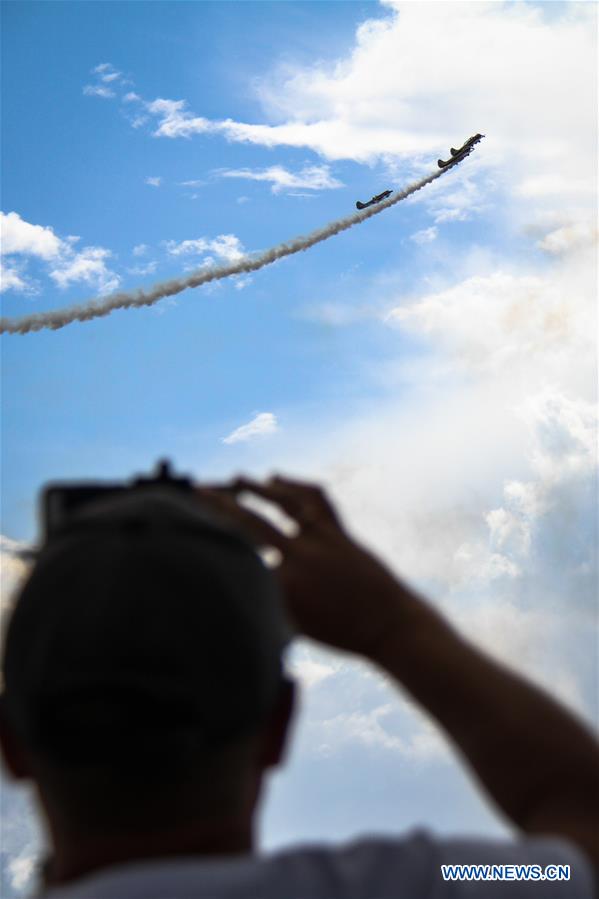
(378, 199)
(457, 155)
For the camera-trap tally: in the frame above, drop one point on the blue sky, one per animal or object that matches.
(434, 366)
(222, 353)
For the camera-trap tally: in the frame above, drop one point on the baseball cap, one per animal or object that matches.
(146, 616)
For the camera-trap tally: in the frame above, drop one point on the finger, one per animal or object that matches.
(257, 529)
(305, 502)
(314, 493)
(274, 493)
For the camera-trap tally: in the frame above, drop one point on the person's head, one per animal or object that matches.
(142, 670)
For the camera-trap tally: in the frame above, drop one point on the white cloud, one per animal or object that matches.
(526, 639)
(488, 322)
(19, 236)
(262, 425)
(175, 121)
(147, 269)
(310, 672)
(21, 870)
(496, 527)
(551, 185)
(107, 74)
(479, 564)
(371, 729)
(98, 90)
(389, 99)
(153, 181)
(426, 235)
(568, 238)
(347, 704)
(107, 78)
(562, 458)
(450, 204)
(363, 727)
(13, 570)
(12, 548)
(140, 249)
(241, 282)
(336, 314)
(131, 97)
(65, 265)
(12, 278)
(543, 532)
(370, 103)
(479, 485)
(88, 265)
(336, 141)
(315, 177)
(187, 247)
(225, 246)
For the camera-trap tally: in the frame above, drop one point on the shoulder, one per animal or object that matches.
(417, 865)
(423, 866)
(367, 867)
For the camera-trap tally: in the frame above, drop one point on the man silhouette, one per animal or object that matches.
(145, 698)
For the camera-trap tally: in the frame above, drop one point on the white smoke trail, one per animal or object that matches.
(58, 318)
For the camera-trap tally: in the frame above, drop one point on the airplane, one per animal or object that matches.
(377, 199)
(464, 150)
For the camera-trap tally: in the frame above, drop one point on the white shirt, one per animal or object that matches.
(368, 868)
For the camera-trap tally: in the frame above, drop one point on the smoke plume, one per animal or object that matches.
(58, 318)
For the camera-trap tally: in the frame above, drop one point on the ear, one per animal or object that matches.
(13, 756)
(277, 730)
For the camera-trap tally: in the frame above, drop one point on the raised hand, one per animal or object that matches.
(336, 592)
